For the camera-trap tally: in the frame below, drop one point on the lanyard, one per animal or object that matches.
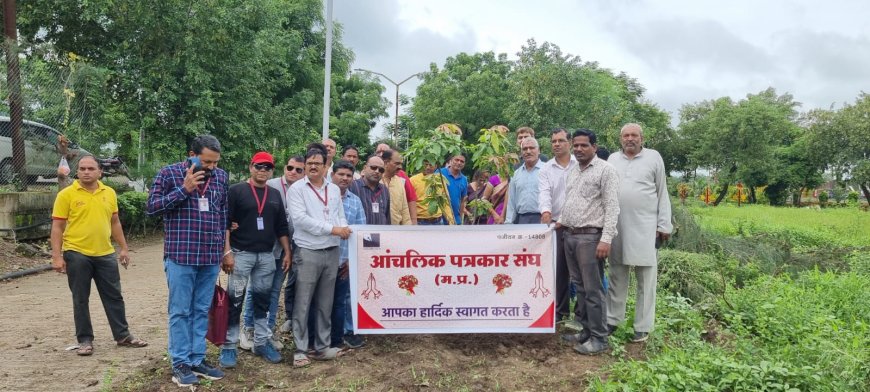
(205, 188)
(284, 186)
(377, 196)
(325, 197)
(260, 206)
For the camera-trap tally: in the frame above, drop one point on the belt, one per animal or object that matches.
(429, 219)
(325, 249)
(583, 230)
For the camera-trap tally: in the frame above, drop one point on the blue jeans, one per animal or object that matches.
(191, 289)
(277, 282)
(258, 269)
(339, 302)
(348, 313)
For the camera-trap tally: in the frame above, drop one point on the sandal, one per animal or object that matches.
(300, 360)
(85, 349)
(328, 354)
(130, 341)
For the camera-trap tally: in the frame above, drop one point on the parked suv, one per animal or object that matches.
(40, 151)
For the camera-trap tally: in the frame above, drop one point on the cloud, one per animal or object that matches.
(694, 45)
(382, 43)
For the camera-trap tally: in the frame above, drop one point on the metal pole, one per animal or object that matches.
(396, 129)
(13, 78)
(396, 126)
(327, 77)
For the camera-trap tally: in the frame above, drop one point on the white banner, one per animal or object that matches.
(453, 279)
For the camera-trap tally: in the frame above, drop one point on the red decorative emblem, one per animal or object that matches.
(407, 283)
(501, 282)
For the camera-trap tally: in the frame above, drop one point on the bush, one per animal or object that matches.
(120, 188)
(131, 211)
(695, 276)
(823, 198)
(852, 197)
(811, 333)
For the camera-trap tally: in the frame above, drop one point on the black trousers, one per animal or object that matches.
(587, 274)
(563, 281)
(103, 270)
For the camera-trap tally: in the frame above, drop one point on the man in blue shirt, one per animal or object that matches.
(522, 205)
(457, 185)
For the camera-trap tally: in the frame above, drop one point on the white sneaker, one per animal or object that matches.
(287, 326)
(246, 338)
(276, 341)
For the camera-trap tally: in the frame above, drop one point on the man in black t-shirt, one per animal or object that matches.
(261, 219)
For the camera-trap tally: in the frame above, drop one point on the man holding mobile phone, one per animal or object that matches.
(192, 198)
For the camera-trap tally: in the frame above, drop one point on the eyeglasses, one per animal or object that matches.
(379, 169)
(297, 169)
(314, 163)
(263, 166)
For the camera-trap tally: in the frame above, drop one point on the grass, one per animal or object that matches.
(806, 227)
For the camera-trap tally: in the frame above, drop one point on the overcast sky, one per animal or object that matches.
(681, 51)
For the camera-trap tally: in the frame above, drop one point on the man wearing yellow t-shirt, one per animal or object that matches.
(422, 204)
(85, 215)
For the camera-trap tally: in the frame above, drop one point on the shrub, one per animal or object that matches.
(810, 333)
(131, 211)
(852, 197)
(120, 188)
(823, 198)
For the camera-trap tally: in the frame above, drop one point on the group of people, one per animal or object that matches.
(290, 232)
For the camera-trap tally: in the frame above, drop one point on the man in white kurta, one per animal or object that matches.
(644, 220)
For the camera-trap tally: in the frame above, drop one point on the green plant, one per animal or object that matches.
(493, 153)
(852, 198)
(432, 146)
(823, 198)
(479, 207)
(131, 211)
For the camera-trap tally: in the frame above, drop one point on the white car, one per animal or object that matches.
(40, 151)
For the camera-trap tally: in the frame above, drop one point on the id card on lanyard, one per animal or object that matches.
(203, 201)
(260, 206)
(324, 199)
(376, 206)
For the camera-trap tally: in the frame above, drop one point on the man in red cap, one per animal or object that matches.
(261, 219)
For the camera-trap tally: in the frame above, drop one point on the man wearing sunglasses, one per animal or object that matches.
(293, 171)
(261, 219)
(374, 195)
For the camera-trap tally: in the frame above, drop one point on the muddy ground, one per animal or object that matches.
(37, 327)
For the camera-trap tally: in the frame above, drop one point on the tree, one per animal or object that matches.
(842, 138)
(472, 90)
(358, 91)
(754, 140)
(249, 72)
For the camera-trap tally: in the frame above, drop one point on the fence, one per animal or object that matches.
(50, 113)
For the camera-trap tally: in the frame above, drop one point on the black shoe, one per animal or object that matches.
(576, 338)
(593, 346)
(640, 337)
(611, 329)
(354, 341)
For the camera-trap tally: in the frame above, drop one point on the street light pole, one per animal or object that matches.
(396, 126)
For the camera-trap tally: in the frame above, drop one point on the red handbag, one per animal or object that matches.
(218, 316)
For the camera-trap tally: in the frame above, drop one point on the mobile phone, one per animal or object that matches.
(197, 165)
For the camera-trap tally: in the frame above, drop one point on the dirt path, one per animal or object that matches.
(37, 326)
